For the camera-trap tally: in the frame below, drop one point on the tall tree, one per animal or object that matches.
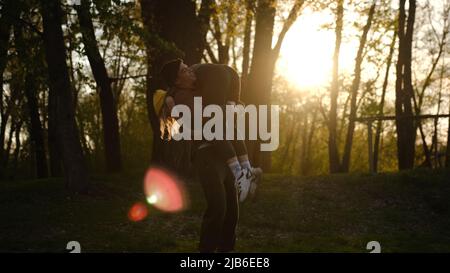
(354, 90)
(259, 86)
(376, 145)
(14, 112)
(75, 170)
(447, 151)
(168, 38)
(333, 152)
(223, 38)
(406, 133)
(29, 59)
(108, 105)
(418, 102)
(54, 141)
(249, 15)
(8, 15)
(306, 141)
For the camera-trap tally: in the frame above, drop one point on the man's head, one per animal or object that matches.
(176, 73)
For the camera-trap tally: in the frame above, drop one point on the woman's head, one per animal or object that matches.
(185, 77)
(177, 74)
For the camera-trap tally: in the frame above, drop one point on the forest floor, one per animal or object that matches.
(404, 212)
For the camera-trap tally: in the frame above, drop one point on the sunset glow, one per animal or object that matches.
(306, 55)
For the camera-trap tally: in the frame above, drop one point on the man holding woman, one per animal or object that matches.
(222, 166)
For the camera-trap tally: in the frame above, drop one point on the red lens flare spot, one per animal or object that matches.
(164, 191)
(138, 212)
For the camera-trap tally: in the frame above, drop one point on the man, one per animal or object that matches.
(219, 85)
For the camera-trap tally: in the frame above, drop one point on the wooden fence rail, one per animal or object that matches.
(370, 120)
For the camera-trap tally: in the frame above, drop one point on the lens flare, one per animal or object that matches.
(164, 191)
(152, 199)
(138, 212)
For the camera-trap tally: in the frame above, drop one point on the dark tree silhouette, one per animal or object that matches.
(8, 14)
(28, 58)
(108, 106)
(258, 87)
(333, 152)
(75, 170)
(406, 133)
(174, 29)
(376, 145)
(345, 166)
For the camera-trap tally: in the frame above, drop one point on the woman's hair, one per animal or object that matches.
(166, 122)
(169, 72)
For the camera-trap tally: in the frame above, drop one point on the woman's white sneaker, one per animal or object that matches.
(243, 184)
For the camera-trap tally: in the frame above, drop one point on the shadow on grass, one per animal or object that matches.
(405, 212)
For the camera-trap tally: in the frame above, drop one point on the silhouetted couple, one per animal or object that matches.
(222, 166)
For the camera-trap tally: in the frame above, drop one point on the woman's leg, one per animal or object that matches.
(241, 153)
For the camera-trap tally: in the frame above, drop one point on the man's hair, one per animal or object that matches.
(169, 72)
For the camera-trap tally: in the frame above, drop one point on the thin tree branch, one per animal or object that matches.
(293, 14)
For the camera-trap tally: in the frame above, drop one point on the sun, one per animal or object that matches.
(306, 55)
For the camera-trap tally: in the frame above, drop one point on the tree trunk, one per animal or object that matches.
(4, 118)
(259, 85)
(305, 169)
(447, 151)
(289, 142)
(428, 80)
(435, 145)
(381, 106)
(304, 143)
(222, 48)
(291, 158)
(404, 92)
(16, 148)
(5, 161)
(54, 142)
(333, 153)
(37, 145)
(184, 37)
(12, 113)
(178, 23)
(75, 170)
(36, 132)
(354, 92)
(261, 72)
(8, 14)
(249, 6)
(108, 106)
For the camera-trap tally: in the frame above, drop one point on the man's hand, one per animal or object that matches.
(170, 102)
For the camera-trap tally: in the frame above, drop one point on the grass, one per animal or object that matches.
(405, 212)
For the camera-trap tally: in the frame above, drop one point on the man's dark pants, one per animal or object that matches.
(218, 230)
